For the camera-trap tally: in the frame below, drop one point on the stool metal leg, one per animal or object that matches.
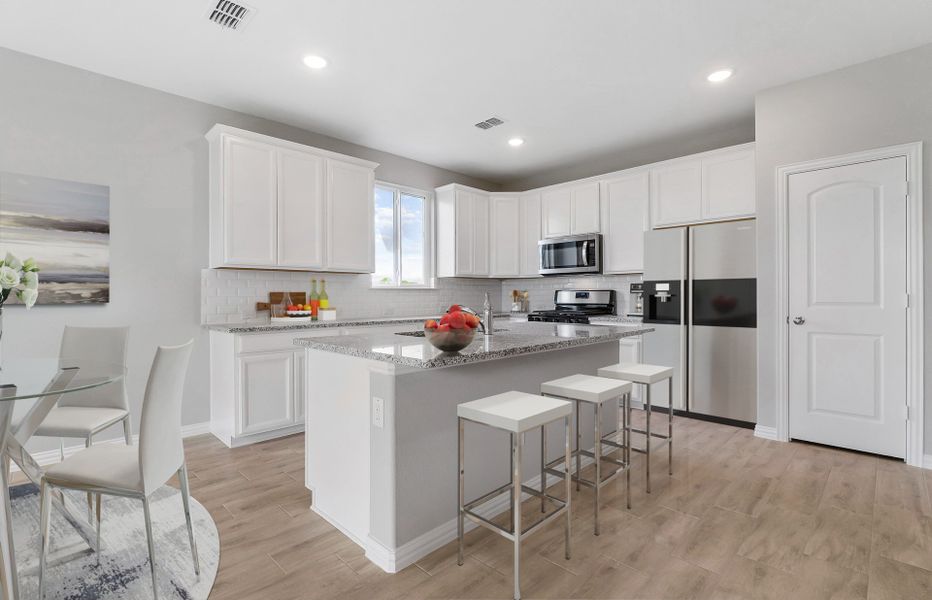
(567, 479)
(516, 507)
(670, 425)
(511, 474)
(543, 468)
(647, 439)
(598, 462)
(459, 491)
(626, 436)
(578, 441)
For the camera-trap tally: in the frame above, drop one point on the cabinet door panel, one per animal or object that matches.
(480, 234)
(300, 386)
(675, 193)
(556, 212)
(506, 236)
(266, 391)
(300, 210)
(464, 233)
(585, 209)
(530, 235)
(624, 209)
(350, 211)
(249, 203)
(728, 186)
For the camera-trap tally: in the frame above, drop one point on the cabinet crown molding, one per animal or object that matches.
(217, 130)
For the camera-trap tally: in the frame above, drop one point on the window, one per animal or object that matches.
(402, 237)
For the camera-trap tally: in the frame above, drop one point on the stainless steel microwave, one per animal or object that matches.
(571, 254)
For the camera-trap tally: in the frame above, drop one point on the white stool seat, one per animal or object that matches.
(587, 388)
(516, 412)
(637, 372)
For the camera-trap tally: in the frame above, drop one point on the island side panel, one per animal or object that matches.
(426, 433)
(337, 440)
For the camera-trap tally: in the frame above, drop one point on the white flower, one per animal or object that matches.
(12, 262)
(28, 296)
(29, 264)
(31, 280)
(9, 277)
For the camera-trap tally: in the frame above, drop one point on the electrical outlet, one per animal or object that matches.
(378, 412)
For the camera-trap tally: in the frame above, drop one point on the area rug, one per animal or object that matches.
(73, 571)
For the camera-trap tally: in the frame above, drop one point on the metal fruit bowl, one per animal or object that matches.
(453, 340)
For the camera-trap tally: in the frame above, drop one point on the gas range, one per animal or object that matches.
(576, 306)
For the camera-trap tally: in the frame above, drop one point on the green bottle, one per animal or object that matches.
(315, 299)
(324, 299)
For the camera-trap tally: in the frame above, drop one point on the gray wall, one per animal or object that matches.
(149, 147)
(715, 135)
(879, 103)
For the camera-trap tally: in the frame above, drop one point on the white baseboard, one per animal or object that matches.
(50, 457)
(393, 561)
(768, 433)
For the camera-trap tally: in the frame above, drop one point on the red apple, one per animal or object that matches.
(443, 328)
(472, 321)
(454, 308)
(457, 320)
(430, 324)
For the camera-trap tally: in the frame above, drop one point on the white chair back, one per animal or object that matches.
(161, 452)
(100, 344)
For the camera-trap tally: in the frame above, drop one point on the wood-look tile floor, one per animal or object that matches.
(742, 518)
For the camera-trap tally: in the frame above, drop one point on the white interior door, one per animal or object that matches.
(847, 300)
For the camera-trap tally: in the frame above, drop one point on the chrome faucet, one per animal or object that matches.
(486, 324)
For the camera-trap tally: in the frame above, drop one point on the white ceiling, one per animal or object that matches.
(576, 79)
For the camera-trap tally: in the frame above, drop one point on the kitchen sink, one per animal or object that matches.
(420, 332)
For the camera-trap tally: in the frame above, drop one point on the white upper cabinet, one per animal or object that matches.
(624, 220)
(275, 204)
(506, 245)
(529, 235)
(676, 193)
(463, 241)
(249, 222)
(350, 213)
(570, 209)
(713, 186)
(728, 185)
(585, 209)
(300, 210)
(556, 208)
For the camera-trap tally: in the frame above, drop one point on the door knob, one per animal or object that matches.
(799, 320)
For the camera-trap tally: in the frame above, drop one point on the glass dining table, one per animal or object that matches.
(29, 389)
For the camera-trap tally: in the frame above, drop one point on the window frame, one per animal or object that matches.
(429, 228)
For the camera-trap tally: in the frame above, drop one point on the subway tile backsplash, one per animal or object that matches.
(230, 296)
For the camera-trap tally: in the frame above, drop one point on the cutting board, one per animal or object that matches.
(276, 298)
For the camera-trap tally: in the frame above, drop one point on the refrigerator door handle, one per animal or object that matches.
(690, 354)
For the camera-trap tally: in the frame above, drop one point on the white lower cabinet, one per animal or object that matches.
(266, 386)
(257, 385)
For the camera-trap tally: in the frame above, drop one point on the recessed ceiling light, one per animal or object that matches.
(515, 142)
(315, 62)
(721, 75)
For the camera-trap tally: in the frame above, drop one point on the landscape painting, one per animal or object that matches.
(65, 226)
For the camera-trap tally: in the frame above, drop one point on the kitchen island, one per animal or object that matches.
(380, 422)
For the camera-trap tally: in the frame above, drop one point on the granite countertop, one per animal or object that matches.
(519, 338)
(350, 322)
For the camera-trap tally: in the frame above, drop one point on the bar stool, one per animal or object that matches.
(594, 391)
(646, 375)
(516, 413)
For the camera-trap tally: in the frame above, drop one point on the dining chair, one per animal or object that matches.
(87, 413)
(132, 471)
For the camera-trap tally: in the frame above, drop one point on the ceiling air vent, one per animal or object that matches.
(229, 15)
(489, 123)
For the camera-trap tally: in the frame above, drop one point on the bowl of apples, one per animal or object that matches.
(298, 310)
(453, 332)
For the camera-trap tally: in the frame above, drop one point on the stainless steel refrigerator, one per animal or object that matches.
(700, 294)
